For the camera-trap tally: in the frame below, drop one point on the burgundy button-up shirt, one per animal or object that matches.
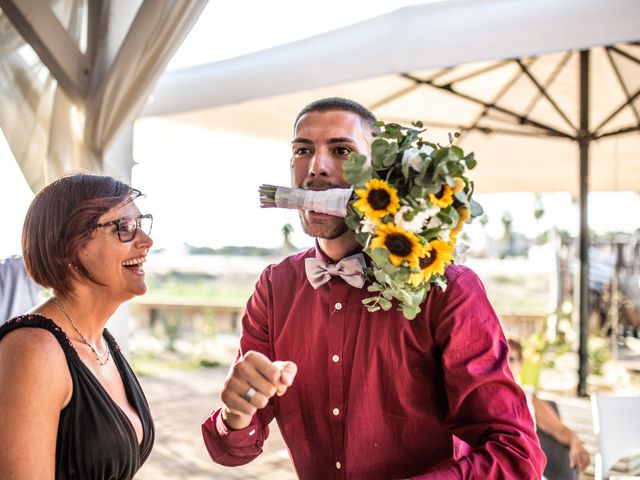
(378, 396)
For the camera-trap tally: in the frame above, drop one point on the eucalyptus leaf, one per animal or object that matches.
(404, 296)
(452, 213)
(393, 130)
(355, 160)
(410, 312)
(389, 269)
(379, 147)
(380, 255)
(369, 300)
(432, 188)
(442, 170)
(381, 276)
(430, 233)
(402, 276)
(363, 238)
(470, 161)
(384, 304)
(440, 154)
(389, 157)
(405, 169)
(352, 221)
(462, 197)
(476, 208)
(418, 192)
(446, 218)
(455, 153)
(422, 181)
(355, 177)
(456, 169)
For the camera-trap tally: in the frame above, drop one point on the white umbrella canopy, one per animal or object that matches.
(546, 93)
(504, 73)
(521, 140)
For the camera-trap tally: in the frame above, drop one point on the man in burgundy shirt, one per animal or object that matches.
(368, 395)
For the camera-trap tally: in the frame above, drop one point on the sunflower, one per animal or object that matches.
(401, 244)
(377, 199)
(439, 254)
(443, 198)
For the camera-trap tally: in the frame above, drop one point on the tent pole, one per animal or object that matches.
(584, 139)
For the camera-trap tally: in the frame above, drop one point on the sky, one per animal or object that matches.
(201, 186)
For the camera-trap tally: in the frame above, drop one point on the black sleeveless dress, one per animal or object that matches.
(96, 440)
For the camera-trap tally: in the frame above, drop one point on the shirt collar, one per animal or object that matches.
(325, 258)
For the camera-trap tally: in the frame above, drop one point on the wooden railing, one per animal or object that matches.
(188, 315)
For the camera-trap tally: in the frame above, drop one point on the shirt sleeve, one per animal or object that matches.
(233, 447)
(486, 408)
(238, 447)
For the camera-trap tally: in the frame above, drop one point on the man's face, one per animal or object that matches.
(323, 141)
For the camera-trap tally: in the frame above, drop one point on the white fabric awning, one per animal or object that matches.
(74, 75)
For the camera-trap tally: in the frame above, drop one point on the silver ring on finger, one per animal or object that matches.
(249, 395)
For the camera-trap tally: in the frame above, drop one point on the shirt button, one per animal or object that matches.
(335, 358)
(338, 465)
(338, 306)
(336, 411)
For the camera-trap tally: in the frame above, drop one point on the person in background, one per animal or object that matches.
(547, 420)
(18, 293)
(368, 395)
(70, 405)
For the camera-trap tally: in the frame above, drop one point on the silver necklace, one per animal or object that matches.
(102, 359)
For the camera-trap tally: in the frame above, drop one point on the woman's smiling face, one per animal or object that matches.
(115, 264)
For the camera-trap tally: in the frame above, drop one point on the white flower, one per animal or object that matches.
(428, 149)
(435, 222)
(413, 157)
(444, 235)
(368, 226)
(417, 222)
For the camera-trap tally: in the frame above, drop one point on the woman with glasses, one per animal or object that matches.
(70, 405)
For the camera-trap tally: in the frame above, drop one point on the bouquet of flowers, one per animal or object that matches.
(407, 206)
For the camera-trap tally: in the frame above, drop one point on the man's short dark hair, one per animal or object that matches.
(340, 104)
(61, 220)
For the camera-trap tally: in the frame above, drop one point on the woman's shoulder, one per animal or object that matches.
(29, 337)
(36, 326)
(34, 365)
(33, 338)
(33, 346)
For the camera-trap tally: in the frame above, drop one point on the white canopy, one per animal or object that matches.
(414, 64)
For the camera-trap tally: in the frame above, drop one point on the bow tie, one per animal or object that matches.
(351, 269)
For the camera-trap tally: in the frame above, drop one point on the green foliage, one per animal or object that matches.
(415, 169)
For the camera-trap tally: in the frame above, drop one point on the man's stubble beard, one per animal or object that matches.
(327, 232)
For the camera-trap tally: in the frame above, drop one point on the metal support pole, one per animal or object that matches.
(583, 252)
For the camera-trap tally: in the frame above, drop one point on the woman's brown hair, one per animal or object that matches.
(61, 220)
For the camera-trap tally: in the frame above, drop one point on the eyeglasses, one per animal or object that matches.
(127, 227)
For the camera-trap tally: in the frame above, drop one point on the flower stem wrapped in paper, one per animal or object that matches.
(407, 207)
